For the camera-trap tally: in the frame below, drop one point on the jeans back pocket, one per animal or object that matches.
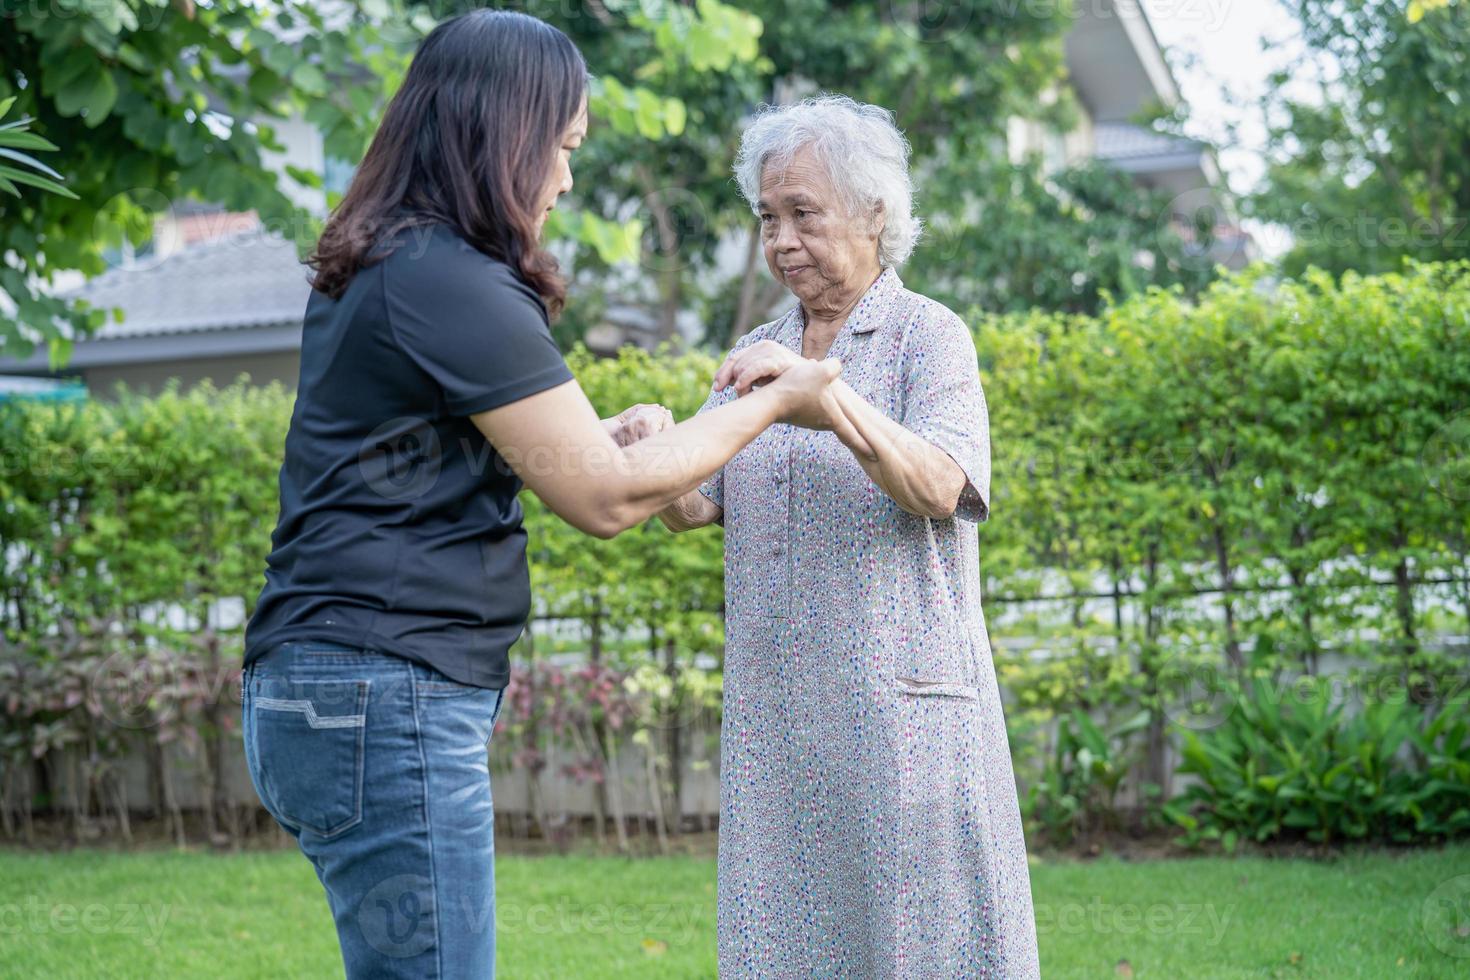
(308, 750)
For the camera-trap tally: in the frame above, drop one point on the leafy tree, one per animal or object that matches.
(1374, 164)
(1067, 243)
(157, 101)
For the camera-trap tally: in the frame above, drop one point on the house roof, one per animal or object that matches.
(247, 279)
(1115, 61)
(1173, 163)
(1122, 141)
(242, 293)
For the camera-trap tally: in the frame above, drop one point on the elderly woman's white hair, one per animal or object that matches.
(865, 154)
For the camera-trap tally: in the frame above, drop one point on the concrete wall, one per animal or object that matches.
(284, 367)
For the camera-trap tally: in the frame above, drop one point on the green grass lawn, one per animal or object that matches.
(262, 914)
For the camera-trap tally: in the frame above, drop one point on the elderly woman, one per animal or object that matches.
(869, 820)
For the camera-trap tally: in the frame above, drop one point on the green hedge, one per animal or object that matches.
(1183, 493)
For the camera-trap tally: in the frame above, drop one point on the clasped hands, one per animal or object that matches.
(809, 393)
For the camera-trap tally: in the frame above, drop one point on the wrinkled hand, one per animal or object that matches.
(808, 390)
(806, 393)
(759, 363)
(765, 362)
(638, 422)
(804, 385)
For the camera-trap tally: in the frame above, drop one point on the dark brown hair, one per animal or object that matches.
(468, 140)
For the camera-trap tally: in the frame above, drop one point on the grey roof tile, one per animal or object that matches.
(249, 279)
(1123, 141)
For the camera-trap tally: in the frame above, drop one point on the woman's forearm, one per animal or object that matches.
(653, 474)
(920, 477)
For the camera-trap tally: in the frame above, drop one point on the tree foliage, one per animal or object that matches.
(1372, 163)
(1067, 242)
(154, 102)
(157, 101)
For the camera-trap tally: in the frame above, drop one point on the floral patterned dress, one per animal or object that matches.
(869, 824)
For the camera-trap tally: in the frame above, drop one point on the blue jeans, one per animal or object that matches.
(377, 766)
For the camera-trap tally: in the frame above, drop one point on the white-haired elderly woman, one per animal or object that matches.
(869, 824)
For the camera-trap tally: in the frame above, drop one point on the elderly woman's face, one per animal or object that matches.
(813, 247)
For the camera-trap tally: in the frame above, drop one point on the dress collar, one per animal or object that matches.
(869, 312)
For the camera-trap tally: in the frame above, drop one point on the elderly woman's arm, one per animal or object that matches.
(759, 361)
(690, 511)
(920, 477)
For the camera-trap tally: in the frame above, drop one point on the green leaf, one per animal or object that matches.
(94, 93)
(25, 141)
(29, 161)
(22, 177)
(675, 116)
(132, 57)
(304, 177)
(58, 352)
(309, 79)
(648, 113)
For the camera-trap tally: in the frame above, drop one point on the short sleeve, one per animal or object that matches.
(944, 403)
(472, 325)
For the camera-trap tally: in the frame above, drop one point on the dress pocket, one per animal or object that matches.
(937, 688)
(308, 751)
(927, 654)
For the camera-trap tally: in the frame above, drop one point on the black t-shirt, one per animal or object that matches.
(399, 529)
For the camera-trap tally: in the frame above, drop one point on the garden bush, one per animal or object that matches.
(1272, 477)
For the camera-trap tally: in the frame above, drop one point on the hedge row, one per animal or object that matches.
(1270, 481)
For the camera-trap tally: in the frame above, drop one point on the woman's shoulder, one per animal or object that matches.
(434, 261)
(434, 247)
(930, 326)
(928, 313)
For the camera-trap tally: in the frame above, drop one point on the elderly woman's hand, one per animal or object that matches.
(758, 363)
(638, 422)
(764, 362)
(806, 385)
